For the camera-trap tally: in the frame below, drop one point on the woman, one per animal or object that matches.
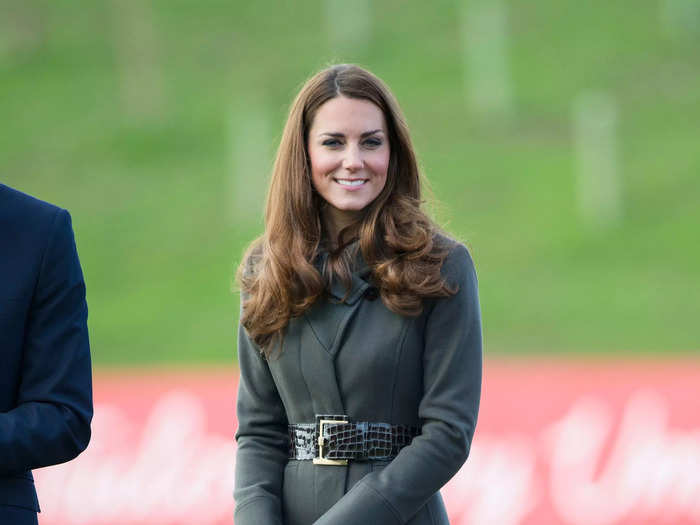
(352, 410)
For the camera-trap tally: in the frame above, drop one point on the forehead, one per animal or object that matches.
(348, 116)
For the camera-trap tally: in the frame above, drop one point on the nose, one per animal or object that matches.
(353, 159)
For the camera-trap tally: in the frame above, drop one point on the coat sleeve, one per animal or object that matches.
(452, 365)
(51, 421)
(262, 438)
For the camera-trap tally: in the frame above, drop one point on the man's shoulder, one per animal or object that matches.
(26, 223)
(19, 204)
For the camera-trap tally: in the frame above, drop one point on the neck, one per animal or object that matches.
(336, 220)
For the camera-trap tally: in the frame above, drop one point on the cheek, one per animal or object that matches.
(316, 160)
(321, 162)
(317, 181)
(379, 164)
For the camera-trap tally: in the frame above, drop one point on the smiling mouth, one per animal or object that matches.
(351, 182)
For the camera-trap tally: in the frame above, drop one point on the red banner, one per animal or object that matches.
(558, 442)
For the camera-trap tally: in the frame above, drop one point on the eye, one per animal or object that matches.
(331, 142)
(373, 143)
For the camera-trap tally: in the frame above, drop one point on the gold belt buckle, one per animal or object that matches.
(320, 460)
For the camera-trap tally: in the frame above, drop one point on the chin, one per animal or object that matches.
(352, 206)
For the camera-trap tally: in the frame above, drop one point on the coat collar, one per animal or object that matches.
(361, 273)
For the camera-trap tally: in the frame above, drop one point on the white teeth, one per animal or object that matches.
(350, 182)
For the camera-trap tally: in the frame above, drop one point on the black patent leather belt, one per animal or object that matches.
(334, 439)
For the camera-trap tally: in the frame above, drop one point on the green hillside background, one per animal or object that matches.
(155, 124)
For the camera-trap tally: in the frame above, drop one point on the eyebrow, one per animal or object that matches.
(341, 135)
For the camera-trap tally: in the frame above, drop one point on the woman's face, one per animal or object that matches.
(348, 148)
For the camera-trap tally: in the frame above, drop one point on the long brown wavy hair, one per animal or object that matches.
(397, 239)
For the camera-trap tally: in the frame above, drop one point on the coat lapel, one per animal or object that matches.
(328, 319)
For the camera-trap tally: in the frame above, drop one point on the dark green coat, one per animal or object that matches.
(360, 359)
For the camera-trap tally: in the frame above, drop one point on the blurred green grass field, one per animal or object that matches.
(155, 124)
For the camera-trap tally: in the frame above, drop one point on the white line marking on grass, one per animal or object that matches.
(137, 44)
(484, 28)
(250, 164)
(595, 142)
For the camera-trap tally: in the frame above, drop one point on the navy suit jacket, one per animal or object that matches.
(45, 372)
